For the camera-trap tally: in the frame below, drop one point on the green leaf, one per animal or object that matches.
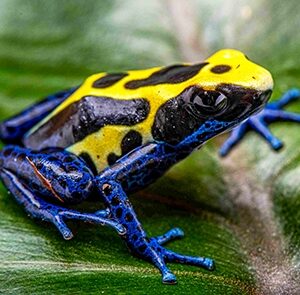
(242, 211)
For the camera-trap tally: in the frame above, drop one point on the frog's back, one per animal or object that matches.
(110, 114)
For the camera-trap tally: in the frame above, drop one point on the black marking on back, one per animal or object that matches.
(130, 141)
(169, 75)
(85, 117)
(174, 121)
(109, 80)
(88, 160)
(220, 69)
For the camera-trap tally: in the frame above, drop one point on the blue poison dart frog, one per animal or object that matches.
(118, 132)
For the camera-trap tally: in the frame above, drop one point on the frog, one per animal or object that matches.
(118, 132)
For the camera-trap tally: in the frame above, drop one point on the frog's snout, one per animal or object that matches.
(262, 97)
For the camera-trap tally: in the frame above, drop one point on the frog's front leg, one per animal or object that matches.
(131, 171)
(35, 178)
(259, 122)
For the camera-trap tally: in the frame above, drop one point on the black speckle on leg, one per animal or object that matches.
(115, 201)
(119, 212)
(129, 217)
(142, 248)
(7, 152)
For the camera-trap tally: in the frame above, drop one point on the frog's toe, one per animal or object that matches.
(276, 144)
(62, 227)
(104, 213)
(169, 278)
(210, 264)
(203, 262)
(174, 233)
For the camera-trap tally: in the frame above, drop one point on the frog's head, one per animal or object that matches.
(231, 87)
(227, 90)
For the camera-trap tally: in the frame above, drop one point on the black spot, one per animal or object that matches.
(39, 165)
(169, 75)
(142, 248)
(253, 78)
(109, 80)
(134, 237)
(129, 217)
(51, 159)
(220, 69)
(21, 157)
(84, 117)
(7, 152)
(119, 212)
(71, 168)
(62, 183)
(246, 57)
(130, 141)
(112, 158)
(238, 66)
(115, 201)
(68, 159)
(88, 160)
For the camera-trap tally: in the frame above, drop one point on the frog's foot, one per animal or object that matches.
(259, 123)
(39, 208)
(160, 256)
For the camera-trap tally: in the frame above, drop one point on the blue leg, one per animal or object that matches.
(174, 233)
(259, 123)
(130, 171)
(13, 129)
(41, 209)
(34, 178)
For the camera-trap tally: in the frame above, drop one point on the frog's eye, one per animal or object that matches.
(209, 102)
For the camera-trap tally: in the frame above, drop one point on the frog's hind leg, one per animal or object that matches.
(34, 178)
(13, 129)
